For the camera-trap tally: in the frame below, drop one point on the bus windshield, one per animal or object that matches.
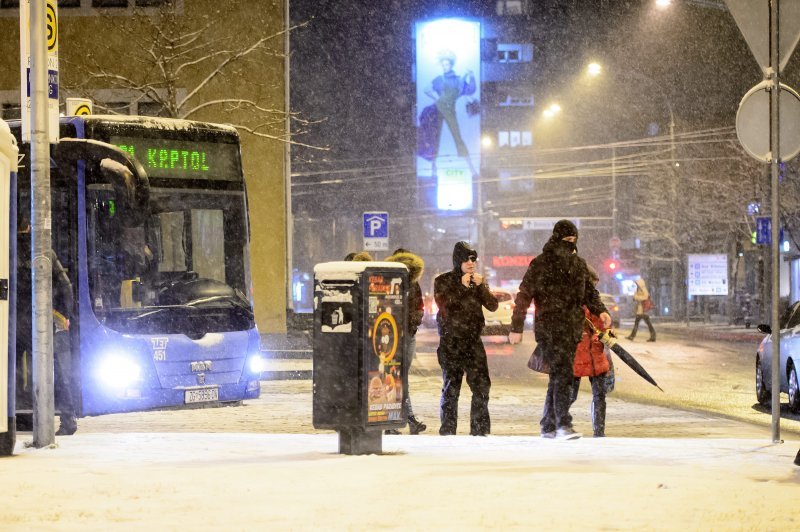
(181, 271)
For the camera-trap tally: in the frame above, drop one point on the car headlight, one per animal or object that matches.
(257, 363)
(118, 371)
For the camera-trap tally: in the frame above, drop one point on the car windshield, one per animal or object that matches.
(186, 261)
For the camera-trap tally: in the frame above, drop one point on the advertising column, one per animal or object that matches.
(448, 118)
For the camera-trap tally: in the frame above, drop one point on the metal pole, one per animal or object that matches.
(774, 146)
(614, 192)
(287, 161)
(43, 401)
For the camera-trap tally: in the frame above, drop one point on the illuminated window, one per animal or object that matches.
(514, 139)
(514, 53)
(516, 101)
(502, 138)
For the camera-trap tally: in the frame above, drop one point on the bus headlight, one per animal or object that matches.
(257, 363)
(118, 371)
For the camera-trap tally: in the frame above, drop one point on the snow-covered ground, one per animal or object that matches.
(235, 481)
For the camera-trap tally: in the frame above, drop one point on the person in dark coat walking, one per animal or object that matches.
(416, 310)
(558, 283)
(460, 295)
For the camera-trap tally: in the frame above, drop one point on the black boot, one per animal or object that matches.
(415, 426)
(68, 426)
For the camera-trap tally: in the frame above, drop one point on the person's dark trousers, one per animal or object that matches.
(646, 318)
(598, 401)
(561, 356)
(62, 383)
(457, 357)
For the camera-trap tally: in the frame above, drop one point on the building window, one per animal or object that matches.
(9, 4)
(109, 3)
(10, 111)
(511, 7)
(514, 53)
(502, 139)
(151, 109)
(69, 3)
(514, 139)
(516, 101)
(114, 108)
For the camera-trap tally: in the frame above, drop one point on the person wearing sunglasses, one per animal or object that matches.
(460, 295)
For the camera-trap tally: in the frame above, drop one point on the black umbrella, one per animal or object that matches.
(611, 341)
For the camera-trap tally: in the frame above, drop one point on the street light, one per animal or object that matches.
(663, 4)
(595, 69)
(551, 110)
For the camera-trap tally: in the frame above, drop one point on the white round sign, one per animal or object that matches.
(753, 117)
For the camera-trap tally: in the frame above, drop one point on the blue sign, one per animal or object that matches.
(764, 230)
(376, 225)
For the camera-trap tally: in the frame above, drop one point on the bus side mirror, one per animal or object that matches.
(123, 171)
(764, 328)
(134, 198)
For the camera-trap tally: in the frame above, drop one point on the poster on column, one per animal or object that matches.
(448, 66)
(386, 328)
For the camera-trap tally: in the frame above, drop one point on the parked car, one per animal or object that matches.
(790, 356)
(613, 308)
(499, 321)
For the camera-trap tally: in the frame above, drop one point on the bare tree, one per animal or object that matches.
(192, 66)
(698, 205)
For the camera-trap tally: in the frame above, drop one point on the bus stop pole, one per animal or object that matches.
(43, 396)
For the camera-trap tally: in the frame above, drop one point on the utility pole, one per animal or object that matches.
(774, 147)
(43, 400)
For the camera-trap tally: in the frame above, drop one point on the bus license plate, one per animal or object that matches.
(201, 395)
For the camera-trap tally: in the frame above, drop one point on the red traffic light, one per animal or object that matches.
(612, 265)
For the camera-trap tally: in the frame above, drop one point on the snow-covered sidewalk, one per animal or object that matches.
(236, 481)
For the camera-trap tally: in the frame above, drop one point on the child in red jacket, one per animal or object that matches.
(591, 361)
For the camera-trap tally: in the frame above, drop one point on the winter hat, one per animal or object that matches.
(564, 228)
(461, 252)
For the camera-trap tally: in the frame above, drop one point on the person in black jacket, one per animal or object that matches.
(460, 294)
(558, 282)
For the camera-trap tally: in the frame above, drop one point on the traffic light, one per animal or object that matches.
(612, 266)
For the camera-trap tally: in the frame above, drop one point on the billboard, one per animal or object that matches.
(448, 65)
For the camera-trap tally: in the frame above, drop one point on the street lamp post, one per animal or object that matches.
(594, 70)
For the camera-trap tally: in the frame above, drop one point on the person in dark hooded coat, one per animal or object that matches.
(416, 310)
(559, 284)
(460, 295)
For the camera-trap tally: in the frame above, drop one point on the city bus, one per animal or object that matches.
(149, 220)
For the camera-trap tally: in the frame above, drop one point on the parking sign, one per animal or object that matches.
(376, 231)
